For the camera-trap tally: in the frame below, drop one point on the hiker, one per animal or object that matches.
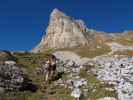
(50, 68)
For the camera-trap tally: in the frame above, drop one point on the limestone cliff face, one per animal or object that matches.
(64, 32)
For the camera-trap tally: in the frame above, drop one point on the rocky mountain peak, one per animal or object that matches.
(56, 13)
(64, 32)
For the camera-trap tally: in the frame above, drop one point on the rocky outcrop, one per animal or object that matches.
(6, 55)
(66, 32)
(11, 76)
(63, 31)
(114, 70)
(117, 71)
(72, 57)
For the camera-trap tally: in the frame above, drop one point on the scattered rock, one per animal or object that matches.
(117, 71)
(108, 98)
(76, 93)
(79, 82)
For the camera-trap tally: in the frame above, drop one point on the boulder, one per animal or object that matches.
(76, 93)
(11, 76)
(107, 98)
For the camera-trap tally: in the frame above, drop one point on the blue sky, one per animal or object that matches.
(23, 22)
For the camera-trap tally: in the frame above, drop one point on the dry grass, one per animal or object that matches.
(88, 51)
(126, 39)
(128, 53)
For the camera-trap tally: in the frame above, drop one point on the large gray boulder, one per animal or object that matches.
(12, 76)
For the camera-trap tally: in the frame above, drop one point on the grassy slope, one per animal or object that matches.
(128, 53)
(89, 52)
(32, 61)
(126, 39)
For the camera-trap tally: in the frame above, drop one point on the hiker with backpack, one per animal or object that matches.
(50, 65)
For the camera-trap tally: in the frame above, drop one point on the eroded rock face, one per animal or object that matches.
(63, 31)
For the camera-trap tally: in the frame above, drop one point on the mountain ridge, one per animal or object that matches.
(66, 32)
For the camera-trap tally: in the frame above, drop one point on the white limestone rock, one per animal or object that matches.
(79, 83)
(108, 98)
(118, 70)
(71, 57)
(10, 62)
(62, 32)
(76, 93)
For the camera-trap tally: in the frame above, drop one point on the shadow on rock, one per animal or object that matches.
(28, 86)
(58, 76)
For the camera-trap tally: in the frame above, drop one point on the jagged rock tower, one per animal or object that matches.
(64, 32)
